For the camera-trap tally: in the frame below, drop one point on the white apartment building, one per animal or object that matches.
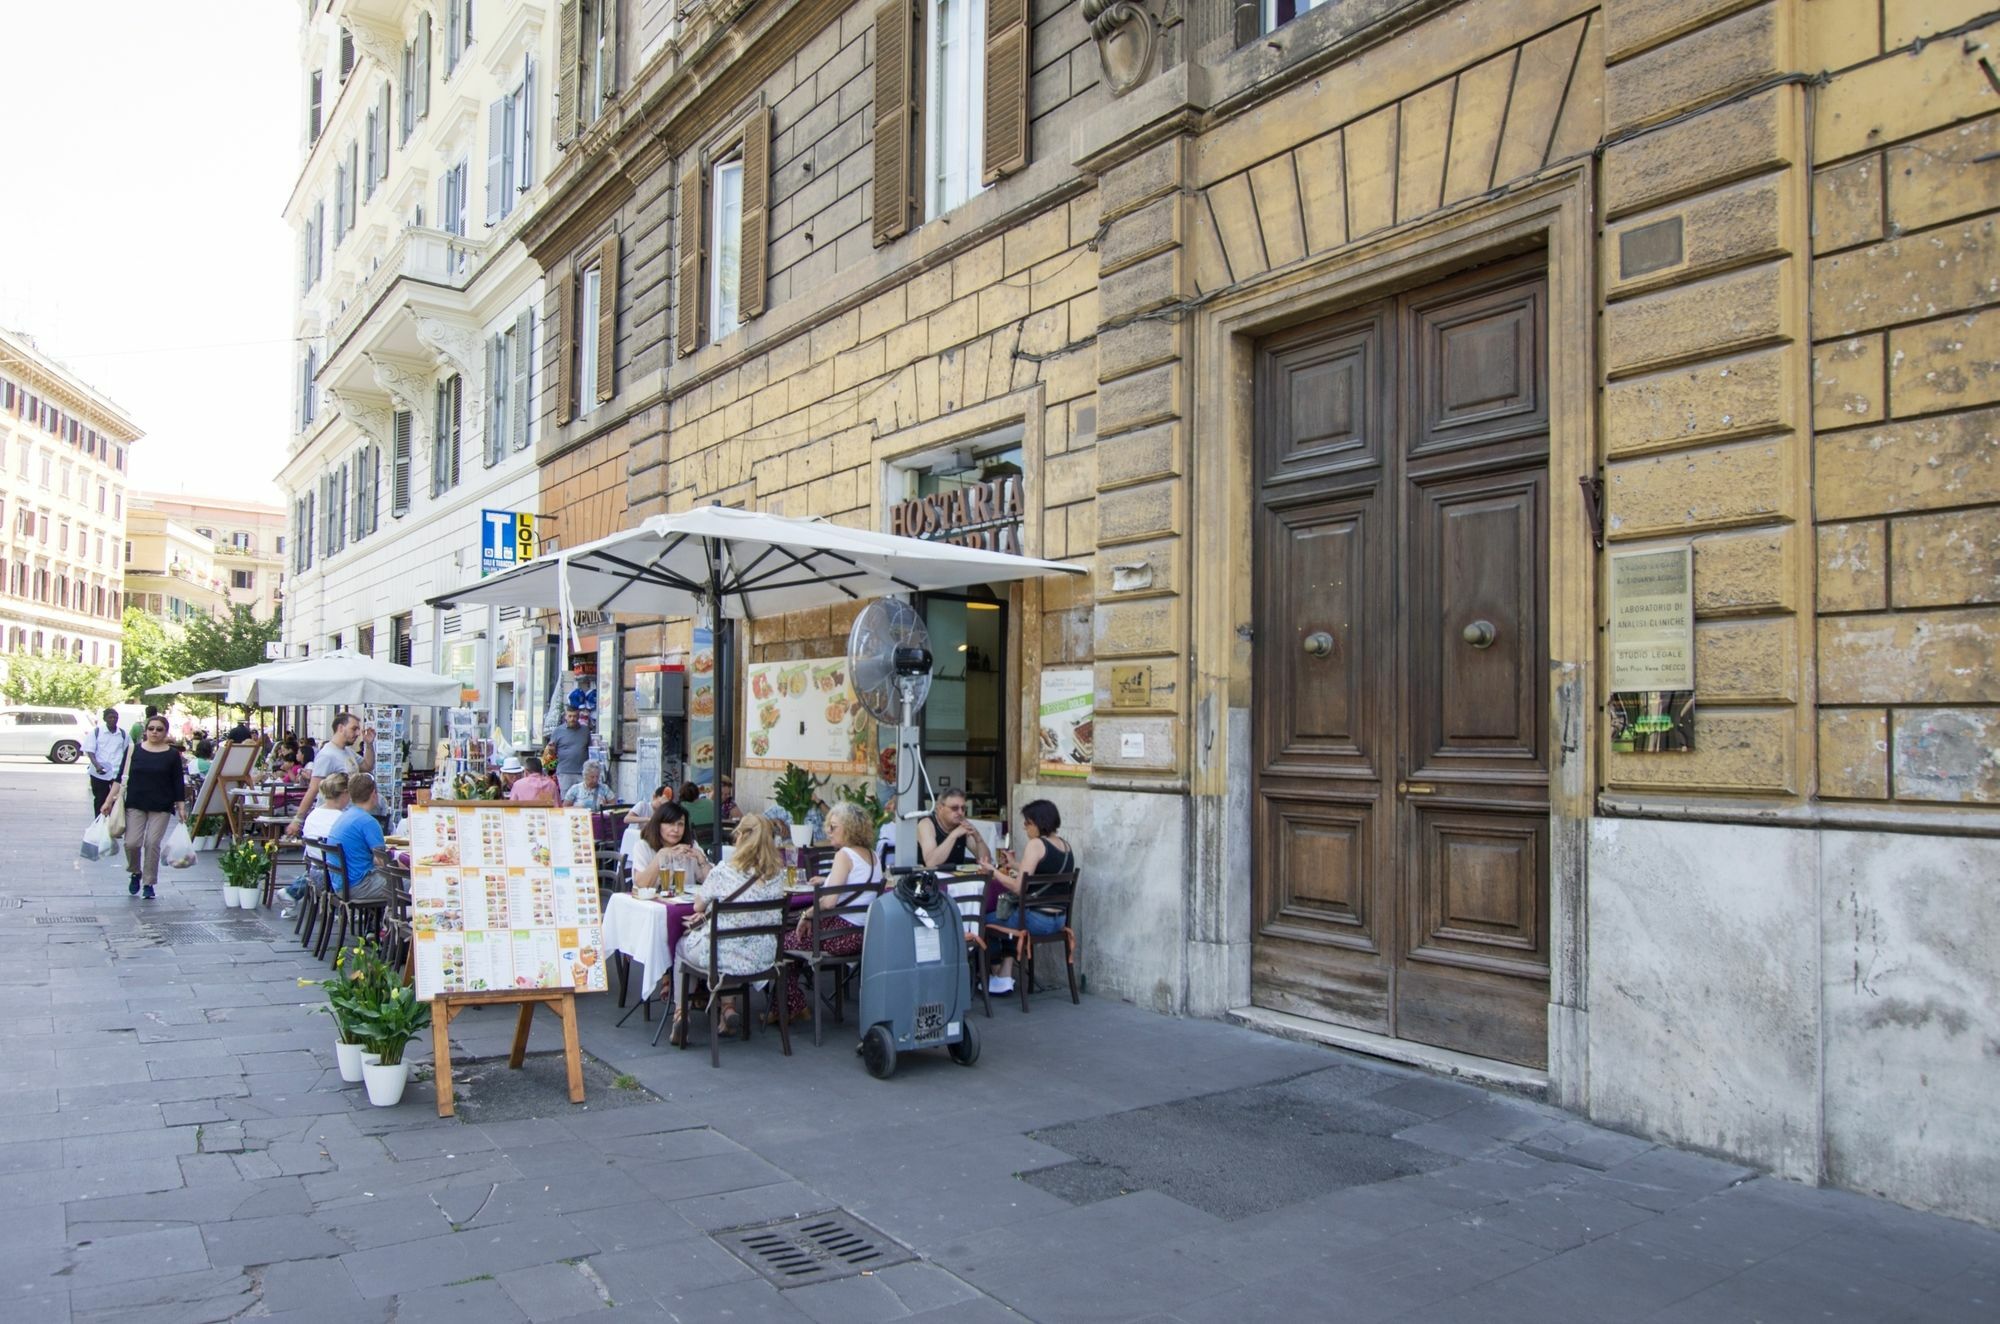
(64, 456)
(425, 142)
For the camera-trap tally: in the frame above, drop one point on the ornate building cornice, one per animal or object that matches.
(409, 386)
(366, 411)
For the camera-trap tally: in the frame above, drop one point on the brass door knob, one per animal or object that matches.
(1319, 644)
(1480, 634)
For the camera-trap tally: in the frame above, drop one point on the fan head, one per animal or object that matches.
(884, 626)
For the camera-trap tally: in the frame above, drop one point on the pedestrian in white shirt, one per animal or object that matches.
(106, 747)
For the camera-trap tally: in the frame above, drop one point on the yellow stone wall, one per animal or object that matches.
(1906, 399)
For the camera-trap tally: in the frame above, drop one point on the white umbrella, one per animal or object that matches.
(201, 682)
(742, 564)
(341, 677)
(720, 562)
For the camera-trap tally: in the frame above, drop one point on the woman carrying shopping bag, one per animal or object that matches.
(155, 789)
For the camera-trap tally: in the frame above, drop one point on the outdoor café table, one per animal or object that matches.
(649, 931)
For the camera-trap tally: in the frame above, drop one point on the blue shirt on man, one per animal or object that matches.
(359, 836)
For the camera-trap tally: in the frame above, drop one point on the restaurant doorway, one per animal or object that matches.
(1400, 747)
(964, 722)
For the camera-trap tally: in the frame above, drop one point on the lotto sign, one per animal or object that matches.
(506, 539)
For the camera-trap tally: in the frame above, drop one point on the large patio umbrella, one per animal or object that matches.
(340, 677)
(201, 682)
(719, 563)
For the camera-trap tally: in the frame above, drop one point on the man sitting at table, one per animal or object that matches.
(945, 840)
(700, 809)
(359, 836)
(333, 802)
(591, 793)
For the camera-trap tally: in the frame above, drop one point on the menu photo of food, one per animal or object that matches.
(805, 712)
(1067, 729)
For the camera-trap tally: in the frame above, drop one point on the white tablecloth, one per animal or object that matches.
(639, 929)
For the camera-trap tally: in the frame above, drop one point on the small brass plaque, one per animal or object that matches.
(1649, 248)
(1131, 687)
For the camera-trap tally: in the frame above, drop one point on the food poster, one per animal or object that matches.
(503, 898)
(1068, 721)
(806, 713)
(701, 709)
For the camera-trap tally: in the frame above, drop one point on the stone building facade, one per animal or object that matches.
(1350, 353)
(242, 541)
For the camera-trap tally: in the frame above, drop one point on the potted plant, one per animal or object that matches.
(387, 1028)
(360, 981)
(206, 830)
(869, 803)
(793, 793)
(244, 867)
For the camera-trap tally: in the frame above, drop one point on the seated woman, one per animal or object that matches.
(1045, 853)
(642, 813)
(855, 864)
(666, 844)
(755, 872)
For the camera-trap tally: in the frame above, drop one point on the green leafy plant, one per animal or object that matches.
(388, 1026)
(57, 682)
(206, 825)
(361, 980)
(246, 863)
(793, 792)
(868, 802)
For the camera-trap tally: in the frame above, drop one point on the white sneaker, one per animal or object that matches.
(999, 984)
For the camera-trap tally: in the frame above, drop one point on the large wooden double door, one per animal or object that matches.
(1401, 751)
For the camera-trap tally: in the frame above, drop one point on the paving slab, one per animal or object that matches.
(178, 1147)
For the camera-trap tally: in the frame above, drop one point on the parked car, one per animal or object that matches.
(55, 734)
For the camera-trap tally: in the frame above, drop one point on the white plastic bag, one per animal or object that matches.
(177, 850)
(97, 843)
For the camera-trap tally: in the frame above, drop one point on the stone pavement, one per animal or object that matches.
(176, 1145)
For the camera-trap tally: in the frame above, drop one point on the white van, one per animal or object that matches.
(55, 734)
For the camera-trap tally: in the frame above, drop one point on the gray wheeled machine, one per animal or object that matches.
(916, 990)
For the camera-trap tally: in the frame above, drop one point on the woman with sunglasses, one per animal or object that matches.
(155, 795)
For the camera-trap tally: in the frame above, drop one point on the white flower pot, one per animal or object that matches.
(349, 1057)
(244, 897)
(802, 835)
(206, 843)
(385, 1084)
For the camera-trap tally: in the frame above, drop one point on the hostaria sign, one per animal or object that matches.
(986, 515)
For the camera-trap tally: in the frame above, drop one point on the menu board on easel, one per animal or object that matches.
(504, 897)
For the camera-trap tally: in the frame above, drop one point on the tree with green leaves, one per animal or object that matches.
(152, 649)
(225, 643)
(58, 682)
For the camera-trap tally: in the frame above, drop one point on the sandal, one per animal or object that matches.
(731, 1023)
(678, 1035)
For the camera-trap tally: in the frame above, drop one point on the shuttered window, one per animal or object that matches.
(407, 106)
(402, 426)
(373, 166)
(724, 234)
(497, 408)
(895, 115)
(589, 290)
(954, 75)
(521, 386)
(565, 346)
(313, 106)
(423, 74)
(445, 436)
(1004, 98)
(969, 61)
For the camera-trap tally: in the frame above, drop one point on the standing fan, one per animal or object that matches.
(889, 665)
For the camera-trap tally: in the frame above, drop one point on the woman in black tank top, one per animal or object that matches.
(1045, 854)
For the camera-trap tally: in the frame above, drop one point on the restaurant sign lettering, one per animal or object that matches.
(986, 515)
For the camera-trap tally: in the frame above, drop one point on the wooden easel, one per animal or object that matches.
(561, 1001)
(234, 765)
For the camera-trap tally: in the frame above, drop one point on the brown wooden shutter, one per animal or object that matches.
(565, 342)
(895, 116)
(688, 321)
(567, 83)
(751, 270)
(607, 315)
(1005, 149)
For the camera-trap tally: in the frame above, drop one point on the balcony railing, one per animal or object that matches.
(420, 253)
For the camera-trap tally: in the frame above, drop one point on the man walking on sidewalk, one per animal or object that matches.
(336, 755)
(570, 743)
(106, 747)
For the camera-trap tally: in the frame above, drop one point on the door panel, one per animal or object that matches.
(1401, 801)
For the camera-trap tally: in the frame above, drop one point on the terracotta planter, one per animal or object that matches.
(385, 1084)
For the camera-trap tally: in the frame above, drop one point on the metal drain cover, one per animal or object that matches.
(815, 1249)
(67, 919)
(197, 932)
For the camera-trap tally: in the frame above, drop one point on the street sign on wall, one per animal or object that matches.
(506, 539)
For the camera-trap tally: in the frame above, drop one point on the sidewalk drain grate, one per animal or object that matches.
(67, 919)
(815, 1249)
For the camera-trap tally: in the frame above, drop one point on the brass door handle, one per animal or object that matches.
(1480, 634)
(1319, 644)
(1415, 788)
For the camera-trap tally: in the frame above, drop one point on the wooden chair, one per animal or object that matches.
(971, 903)
(284, 853)
(722, 986)
(1046, 894)
(847, 900)
(318, 904)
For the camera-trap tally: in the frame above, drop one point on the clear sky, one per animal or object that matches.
(149, 151)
